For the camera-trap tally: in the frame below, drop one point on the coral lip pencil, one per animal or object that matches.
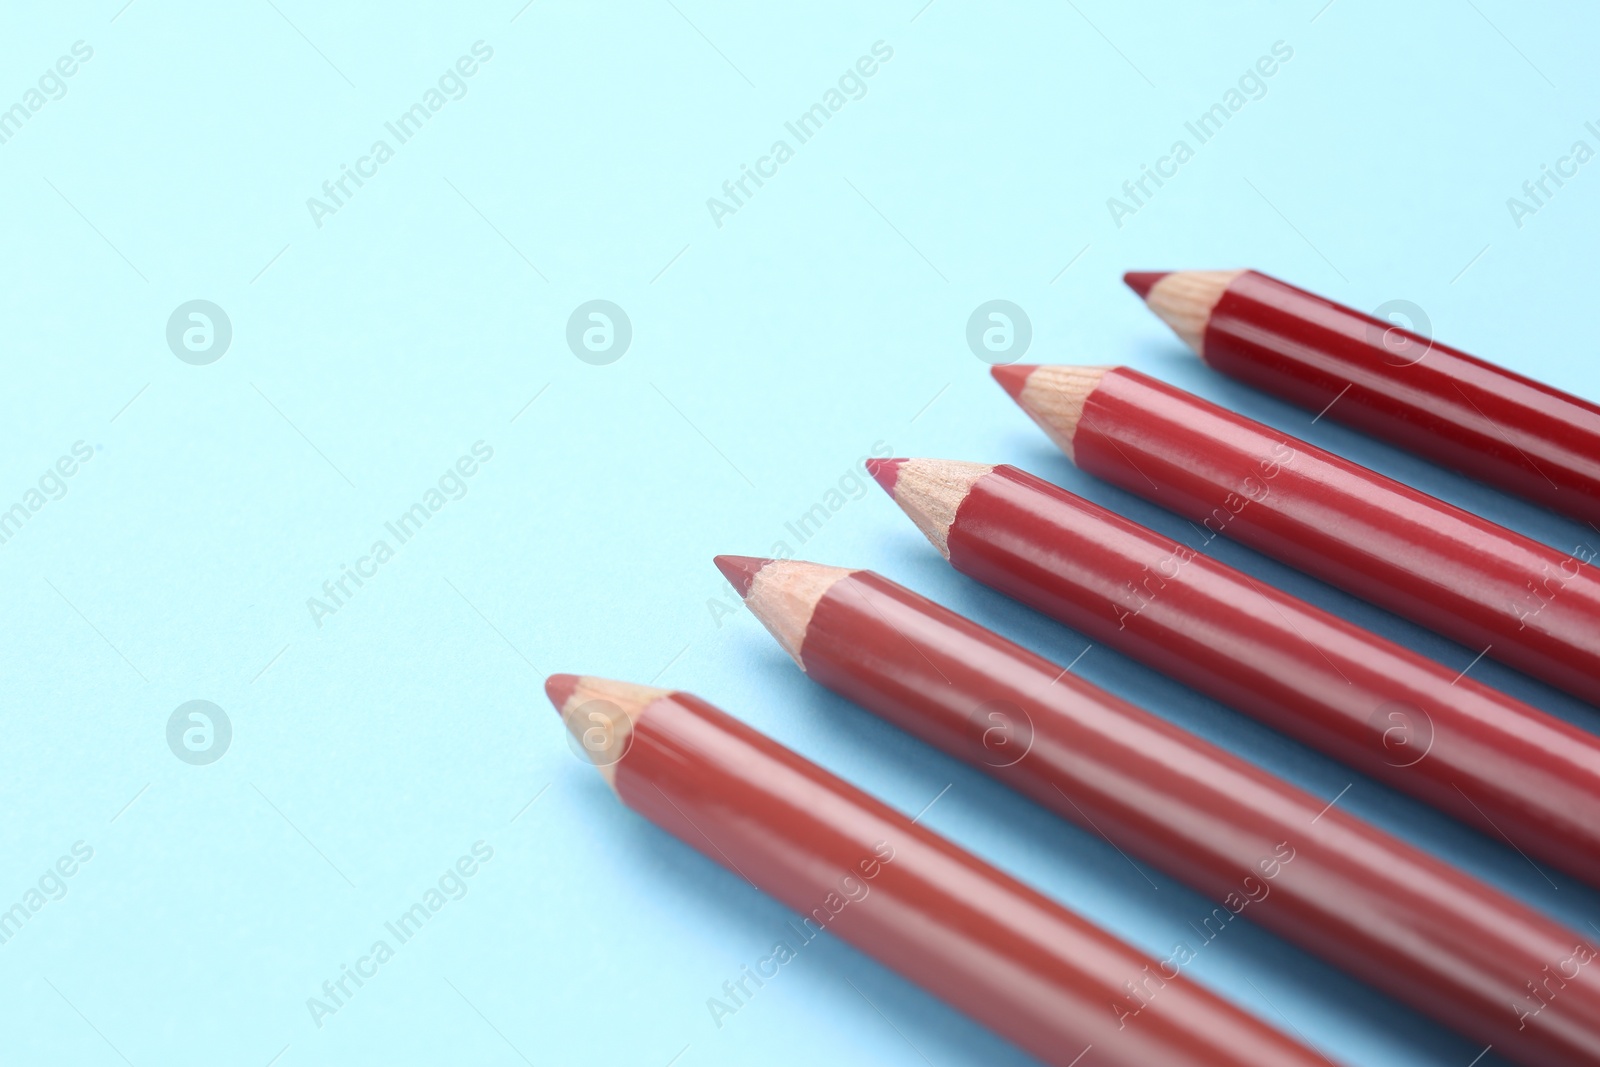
(1499, 593)
(1383, 910)
(1459, 411)
(977, 938)
(1494, 762)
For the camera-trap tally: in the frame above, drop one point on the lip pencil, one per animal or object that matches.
(1465, 413)
(1495, 591)
(1383, 910)
(975, 937)
(1492, 761)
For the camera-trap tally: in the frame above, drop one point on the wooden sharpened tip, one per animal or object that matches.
(1053, 397)
(782, 594)
(1183, 299)
(929, 491)
(599, 713)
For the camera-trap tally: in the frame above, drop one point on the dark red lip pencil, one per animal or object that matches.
(1460, 411)
(1493, 590)
(975, 937)
(1492, 761)
(1383, 910)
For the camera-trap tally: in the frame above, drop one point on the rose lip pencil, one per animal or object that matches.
(1492, 761)
(1379, 908)
(1493, 590)
(1465, 413)
(983, 942)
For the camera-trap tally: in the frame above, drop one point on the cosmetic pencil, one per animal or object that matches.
(1381, 909)
(1492, 761)
(976, 938)
(1499, 593)
(1462, 412)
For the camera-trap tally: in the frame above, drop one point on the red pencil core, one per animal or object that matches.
(1012, 377)
(885, 472)
(559, 687)
(740, 571)
(1142, 281)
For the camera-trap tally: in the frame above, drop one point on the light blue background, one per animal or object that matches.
(768, 355)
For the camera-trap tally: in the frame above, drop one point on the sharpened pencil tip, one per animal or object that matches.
(740, 571)
(1012, 377)
(885, 472)
(1142, 281)
(559, 688)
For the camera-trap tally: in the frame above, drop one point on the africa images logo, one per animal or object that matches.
(199, 732)
(199, 332)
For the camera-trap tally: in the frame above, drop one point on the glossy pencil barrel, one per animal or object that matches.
(978, 939)
(1460, 411)
(1492, 761)
(1381, 909)
(1531, 606)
